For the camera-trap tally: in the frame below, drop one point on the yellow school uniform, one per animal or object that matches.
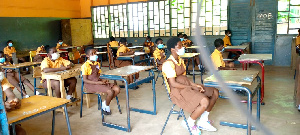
(149, 44)
(113, 44)
(86, 67)
(157, 52)
(169, 68)
(217, 59)
(58, 45)
(298, 40)
(186, 43)
(8, 51)
(122, 49)
(48, 63)
(227, 41)
(5, 84)
(40, 50)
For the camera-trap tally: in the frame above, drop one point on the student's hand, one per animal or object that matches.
(12, 104)
(9, 70)
(201, 88)
(100, 83)
(231, 64)
(105, 81)
(62, 67)
(131, 52)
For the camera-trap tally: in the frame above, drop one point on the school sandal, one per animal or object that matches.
(106, 112)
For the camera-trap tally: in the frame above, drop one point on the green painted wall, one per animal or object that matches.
(28, 33)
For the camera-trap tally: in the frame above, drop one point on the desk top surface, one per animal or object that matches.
(127, 70)
(34, 105)
(135, 54)
(192, 47)
(100, 46)
(255, 57)
(239, 77)
(243, 47)
(101, 52)
(77, 67)
(189, 55)
(67, 47)
(41, 53)
(25, 64)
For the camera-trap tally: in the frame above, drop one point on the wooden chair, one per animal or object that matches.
(172, 111)
(87, 98)
(37, 73)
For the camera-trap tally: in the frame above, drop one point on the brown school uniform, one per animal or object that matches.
(92, 70)
(188, 98)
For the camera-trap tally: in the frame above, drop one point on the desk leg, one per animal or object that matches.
(53, 122)
(262, 81)
(49, 87)
(193, 62)
(5, 73)
(67, 119)
(20, 83)
(13, 126)
(127, 106)
(62, 89)
(258, 104)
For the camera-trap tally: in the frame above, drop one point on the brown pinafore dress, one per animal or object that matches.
(188, 98)
(96, 88)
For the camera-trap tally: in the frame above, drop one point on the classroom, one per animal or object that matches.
(148, 67)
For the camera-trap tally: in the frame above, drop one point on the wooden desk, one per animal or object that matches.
(42, 54)
(237, 80)
(258, 59)
(189, 56)
(37, 105)
(61, 76)
(120, 74)
(18, 66)
(131, 57)
(239, 48)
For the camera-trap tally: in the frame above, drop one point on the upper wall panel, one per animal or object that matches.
(40, 8)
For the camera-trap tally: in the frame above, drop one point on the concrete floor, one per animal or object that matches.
(279, 114)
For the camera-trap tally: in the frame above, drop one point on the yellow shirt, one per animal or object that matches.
(5, 85)
(122, 49)
(157, 53)
(149, 44)
(168, 69)
(8, 51)
(227, 41)
(86, 67)
(298, 40)
(113, 44)
(186, 43)
(39, 50)
(217, 59)
(58, 45)
(48, 63)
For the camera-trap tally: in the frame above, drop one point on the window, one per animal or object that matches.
(288, 21)
(159, 18)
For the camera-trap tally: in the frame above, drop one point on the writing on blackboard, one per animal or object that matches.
(265, 16)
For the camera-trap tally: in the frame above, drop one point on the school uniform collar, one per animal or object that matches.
(176, 62)
(91, 63)
(121, 45)
(216, 50)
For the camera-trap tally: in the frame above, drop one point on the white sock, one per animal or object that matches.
(37, 93)
(191, 122)
(199, 66)
(104, 105)
(69, 97)
(27, 96)
(107, 108)
(204, 117)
